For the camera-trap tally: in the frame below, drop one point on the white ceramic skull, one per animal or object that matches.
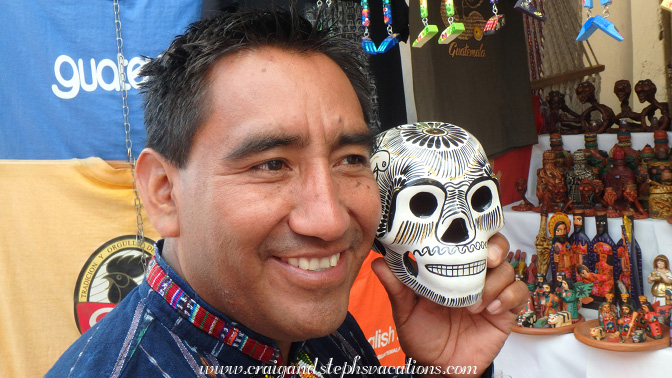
(440, 206)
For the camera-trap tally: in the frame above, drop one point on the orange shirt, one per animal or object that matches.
(371, 308)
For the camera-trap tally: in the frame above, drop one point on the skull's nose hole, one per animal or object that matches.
(481, 199)
(411, 264)
(423, 204)
(457, 232)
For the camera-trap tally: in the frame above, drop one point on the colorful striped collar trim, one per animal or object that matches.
(204, 320)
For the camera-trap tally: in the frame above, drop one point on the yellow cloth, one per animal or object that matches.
(54, 216)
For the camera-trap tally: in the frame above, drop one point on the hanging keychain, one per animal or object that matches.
(391, 39)
(667, 5)
(495, 22)
(598, 22)
(526, 7)
(428, 31)
(454, 28)
(367, 44)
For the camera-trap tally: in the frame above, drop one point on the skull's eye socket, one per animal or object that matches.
(481, 199)
(423, 204)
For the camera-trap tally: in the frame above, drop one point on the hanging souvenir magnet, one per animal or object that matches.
(526, 7)
(667, 5)
(367, 44)
(391, 39)
(598, 22)
(454, 28)
(428, 31)
(495, 22)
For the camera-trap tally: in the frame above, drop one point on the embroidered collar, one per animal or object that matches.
(206, 321)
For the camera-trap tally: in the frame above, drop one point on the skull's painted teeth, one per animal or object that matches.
(460, 270)
(315, 264)
(462, 249)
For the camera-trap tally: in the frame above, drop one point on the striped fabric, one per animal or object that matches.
(205, 320)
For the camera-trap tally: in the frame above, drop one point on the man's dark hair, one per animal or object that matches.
(177, 82)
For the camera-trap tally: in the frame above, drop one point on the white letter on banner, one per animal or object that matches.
(82, 80)
(72, 83)
(133, 70)
(114, 85)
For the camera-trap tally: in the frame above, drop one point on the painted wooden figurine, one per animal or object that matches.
(596, 158)
(604, 248)
(574, 176)
(650, 322)
(660, 278)
(549, 303)
(579, 241)
(563, 259)
(572, 292)
(630, 257)
(632, 156)
(607, 319)
(627, 321)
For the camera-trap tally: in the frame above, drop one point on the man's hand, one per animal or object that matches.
(434, 335)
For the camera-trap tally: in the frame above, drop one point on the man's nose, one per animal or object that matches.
(319, 210)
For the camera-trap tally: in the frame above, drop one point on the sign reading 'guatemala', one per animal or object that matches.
(61, 97)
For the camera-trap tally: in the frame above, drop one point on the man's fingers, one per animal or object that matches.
(402, 298)
(496, 280)
(498, 246)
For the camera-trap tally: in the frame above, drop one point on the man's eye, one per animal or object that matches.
(271, 165)
(354, 159)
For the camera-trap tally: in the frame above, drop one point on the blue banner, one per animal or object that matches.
(60, 89)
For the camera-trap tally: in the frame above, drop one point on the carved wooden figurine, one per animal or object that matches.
(646, 92)
(563, 119)
(551, 188)
(618, 176)
(626, 118)
(586, 94)
(525, 204)
(587, 197)
(542, 244)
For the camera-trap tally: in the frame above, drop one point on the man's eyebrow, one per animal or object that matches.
(260, 143)
(362, 139)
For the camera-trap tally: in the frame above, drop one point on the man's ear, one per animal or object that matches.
(155, 177)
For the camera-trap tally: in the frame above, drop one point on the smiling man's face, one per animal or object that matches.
(277, 205)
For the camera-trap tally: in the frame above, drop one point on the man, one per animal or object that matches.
(256, 173)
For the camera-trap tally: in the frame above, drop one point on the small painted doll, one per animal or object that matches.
(627, 321)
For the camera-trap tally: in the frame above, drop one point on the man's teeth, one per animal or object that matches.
(315, 263)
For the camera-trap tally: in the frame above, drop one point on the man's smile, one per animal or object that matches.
(315, 263)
